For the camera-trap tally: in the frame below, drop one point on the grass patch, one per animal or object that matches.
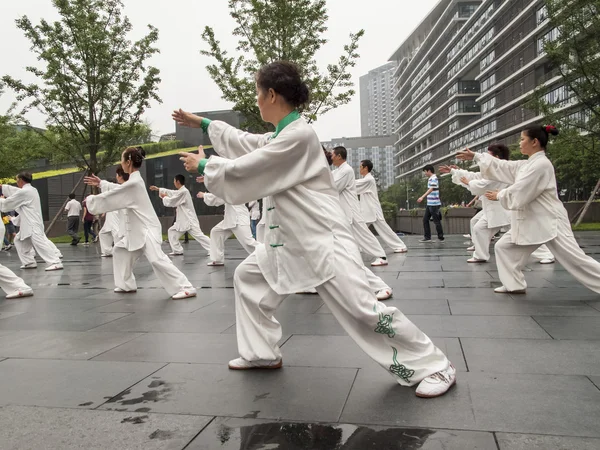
(592, 226)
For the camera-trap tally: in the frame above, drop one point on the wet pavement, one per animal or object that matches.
(82, 367)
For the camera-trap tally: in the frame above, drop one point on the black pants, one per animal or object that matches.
(435, 213)
(88, 228)
(73, 227)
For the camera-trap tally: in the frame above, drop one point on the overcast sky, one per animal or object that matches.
(185, 82)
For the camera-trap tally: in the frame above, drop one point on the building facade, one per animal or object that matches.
(464, 77)
(379, 149)
(377, 101)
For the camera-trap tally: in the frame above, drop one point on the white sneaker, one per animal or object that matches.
(548, 261)
(384, 294)
(475, 260)
(401, 250)
(60, 256)
(29, 266)
(175, 254)
(215, 263)
(471, 249)
(468, 236)
(242, 364)
(52, 267)
(106, 255)
(185, 293)
(503, 290)
(437, 384)
(123, 291)
(379, 262)
(25, 292)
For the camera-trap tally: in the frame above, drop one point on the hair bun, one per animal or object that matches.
(551, 129)
(142, 151)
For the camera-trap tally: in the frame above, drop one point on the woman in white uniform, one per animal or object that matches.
(236, 220)
(12, 285)
(142, 234)
(537, 214)
(186, 219)
(308, 241)
(109, 234)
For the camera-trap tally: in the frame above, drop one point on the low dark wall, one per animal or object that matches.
(592, 214)
(456, 221)
(206, 223)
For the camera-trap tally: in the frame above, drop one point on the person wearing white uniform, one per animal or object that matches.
(371, 210)
(345, 183)
(254, 206)
(142, 234)
(30, 239)
(308, 240)
(110, 232)
(12, 285)
(186, 219)
(236, 220)
(538, 216)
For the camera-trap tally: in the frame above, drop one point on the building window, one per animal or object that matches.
(487, 60)
(550, 36)
(453, 126)
(488, 107)
(488, 83)
(541, 15)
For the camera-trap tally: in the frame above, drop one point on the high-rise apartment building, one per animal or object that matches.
(464, 77)
(377, 101)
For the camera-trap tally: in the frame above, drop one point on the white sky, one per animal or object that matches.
(185, 82)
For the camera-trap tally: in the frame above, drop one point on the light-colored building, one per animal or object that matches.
(463, 78)
(377, 101)
(379, 149)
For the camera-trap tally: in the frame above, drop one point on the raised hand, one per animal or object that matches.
(153, 188)
(92, 180)
(186, 119)
(492, 195)
(464, 180)
(445, 169)
(465, 155)
(200, 179)
(200, 195)
(191, 160)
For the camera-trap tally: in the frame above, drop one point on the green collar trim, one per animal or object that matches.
(291, 117)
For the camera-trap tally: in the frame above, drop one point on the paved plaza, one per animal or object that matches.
(84, 368)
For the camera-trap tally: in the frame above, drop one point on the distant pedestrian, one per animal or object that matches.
(73, 210)
(434, 205)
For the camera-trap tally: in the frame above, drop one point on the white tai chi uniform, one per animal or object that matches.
(345, 183)
(186, 220)
(109, 234)
(236, 220)
(9, 282)
(372, 213)
(142, 234)
(308, 242)
(31, 238)
(537, 216)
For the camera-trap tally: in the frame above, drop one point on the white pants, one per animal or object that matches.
(383, 332)
(169, 276)
(482, 236)
(474, 220)
(511, 258)
(543, 252)
(107, 239)
(37, 243)
(218, 236)
(367, 242)
(9, 282)
(194, 231)
(388, 236)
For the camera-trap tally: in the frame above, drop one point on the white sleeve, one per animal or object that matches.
(231, 143)
(173, 198)
(498, 169)
(212, 200)
(117, 198)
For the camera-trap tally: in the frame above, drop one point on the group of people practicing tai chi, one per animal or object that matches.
(313, 229)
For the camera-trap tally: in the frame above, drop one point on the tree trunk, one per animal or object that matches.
(588, 203)
(60, 211)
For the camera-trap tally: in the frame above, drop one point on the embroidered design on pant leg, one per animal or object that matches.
(400, 370)
(384, 326)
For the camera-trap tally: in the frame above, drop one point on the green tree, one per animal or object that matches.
(93, 82)
(573, 53)
(271, 30)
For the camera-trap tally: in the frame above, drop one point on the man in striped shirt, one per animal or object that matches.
(434, 204)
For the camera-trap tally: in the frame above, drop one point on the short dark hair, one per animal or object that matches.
(327, 154)
(501, 151)
(180, 178)
(367, 164)
(541, 133)
(122, 173)
(284, 77)
(136, 155)
(429, 168)
(341, 151)
(25, 176)
(72, 195)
